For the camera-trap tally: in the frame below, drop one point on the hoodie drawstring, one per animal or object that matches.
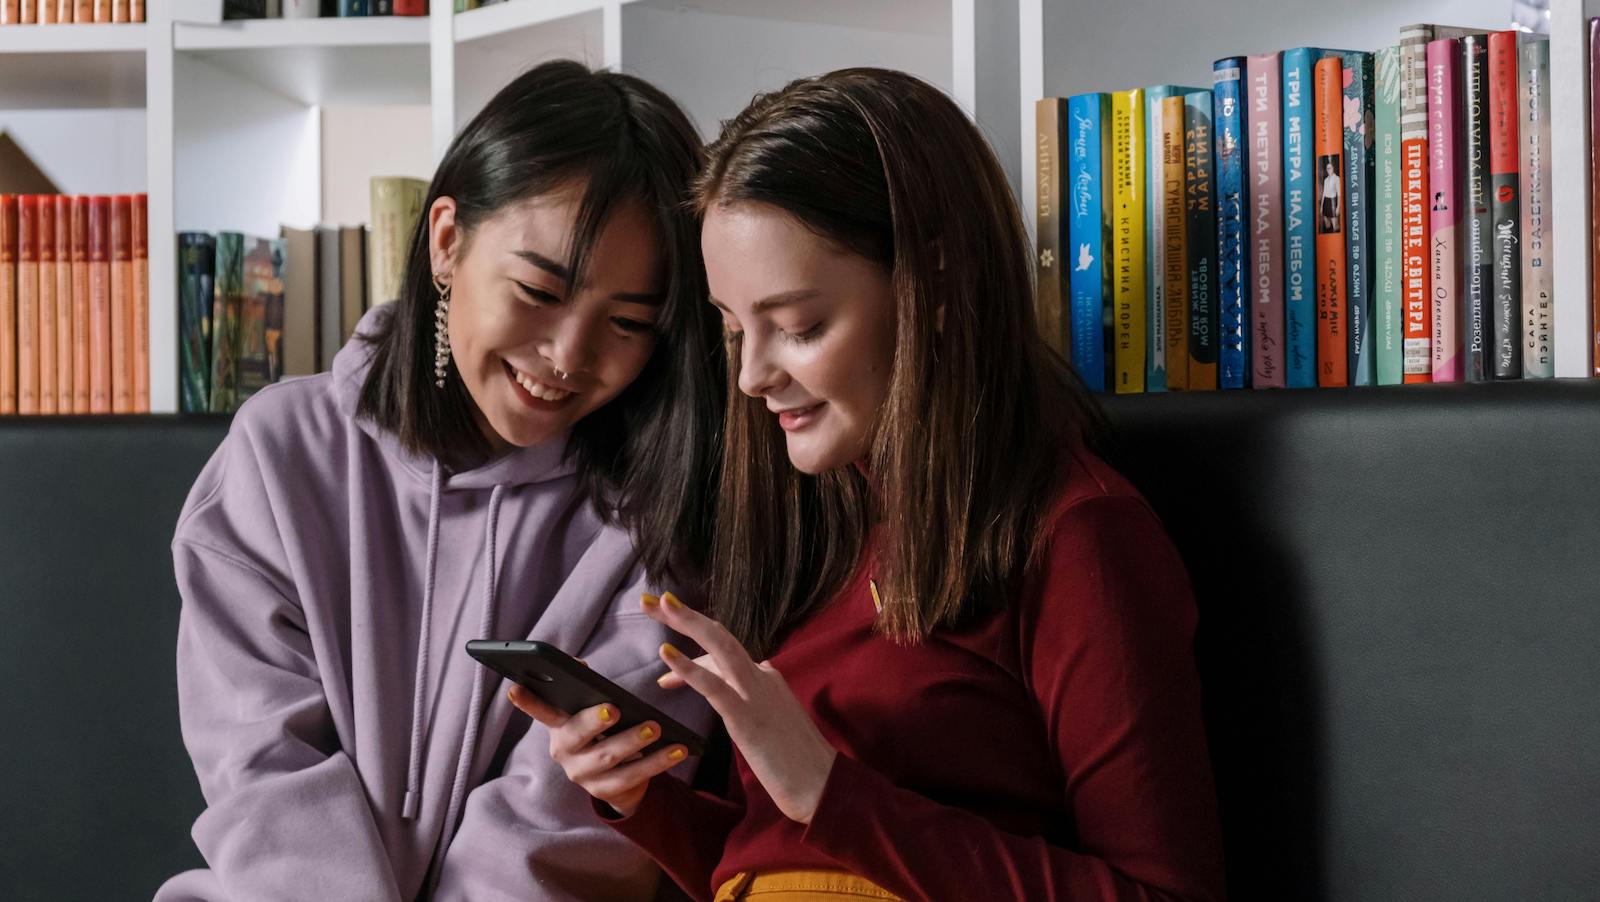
(408, 810)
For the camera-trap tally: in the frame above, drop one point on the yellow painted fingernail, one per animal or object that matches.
(605, 715)
(662, 679)
(677, 755)
(647, 732)
(670, 652)
(649, 601)
(672, 601)
(510, 697)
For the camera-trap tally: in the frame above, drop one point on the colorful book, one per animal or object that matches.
(63, 236)
(1232, 192)
(121, 305)
(1089, 223)
(1200, 230)
(1358, 125)
(1162, 148)
(227, 308)
(1300, 204)
(1128, 238)
(8, 303)
(47, 304)
(260, 361)
(28, 304)
(1505, 168)
(1264, 122)
(1174, 272)
(140, 232)
(100, 307)
(1538, 307)
(83, 326)
(1328, 203)
(1050, 122)
(1477, 274)
(1444, 206)
(197, 263)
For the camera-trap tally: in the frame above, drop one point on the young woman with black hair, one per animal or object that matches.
(516, 447)
(953, 648)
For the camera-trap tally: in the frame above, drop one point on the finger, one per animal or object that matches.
(534, 707)
(579, 731)
(604, 756)
(732, 660)
(670, 680)
(716, 691)
(623, 779)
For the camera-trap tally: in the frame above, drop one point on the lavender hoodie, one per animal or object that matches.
(346, 745)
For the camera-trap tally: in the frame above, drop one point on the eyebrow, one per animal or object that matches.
(560, 271)
(773, 302)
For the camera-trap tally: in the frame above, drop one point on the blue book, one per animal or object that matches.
(348, 8)
(1155, 236)
(1088, 146)
(1232, 203)
(1359, 221)
(1299, 229)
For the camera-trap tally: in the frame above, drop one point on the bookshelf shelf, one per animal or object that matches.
(74, 39)
(505, 18)
(261, 34)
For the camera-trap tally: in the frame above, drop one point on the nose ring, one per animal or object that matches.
(560, 375)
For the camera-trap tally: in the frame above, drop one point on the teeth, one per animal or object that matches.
(539, 390)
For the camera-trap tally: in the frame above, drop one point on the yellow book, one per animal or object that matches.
(1176, 259)
(1127, 238)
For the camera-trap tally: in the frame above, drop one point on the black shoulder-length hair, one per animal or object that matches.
(648, 457)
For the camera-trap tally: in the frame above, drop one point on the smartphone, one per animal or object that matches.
(566, 684)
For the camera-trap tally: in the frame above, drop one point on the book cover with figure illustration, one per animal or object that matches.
(1088, 208)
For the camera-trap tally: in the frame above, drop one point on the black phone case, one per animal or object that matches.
(562, 682)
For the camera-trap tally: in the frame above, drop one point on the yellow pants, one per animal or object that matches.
(800, 886)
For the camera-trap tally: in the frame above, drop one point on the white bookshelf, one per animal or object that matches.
(1072, 46)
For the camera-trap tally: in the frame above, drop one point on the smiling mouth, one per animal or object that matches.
(798, 418)
(536, 389)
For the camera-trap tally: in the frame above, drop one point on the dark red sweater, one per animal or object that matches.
(1053, 751)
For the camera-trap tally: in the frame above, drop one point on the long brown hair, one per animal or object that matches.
(971, 443)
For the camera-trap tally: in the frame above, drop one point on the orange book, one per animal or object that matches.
(63, 304)
(30, 12)
(141, 302)
(10, 12)
(63, 12)
(121, 249)
(102, 10)
(136, 10)
(28, 303)
(81, 325)
(83, 10)
(47, 303)
(47, 12)
(100, 348)
(1333, 364)
(1174, 214)
(8, 303)
(119, 10)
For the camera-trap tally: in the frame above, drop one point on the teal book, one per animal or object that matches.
(1358, 115)
(197, 265)
(1388, 332)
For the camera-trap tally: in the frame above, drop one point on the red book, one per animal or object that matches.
(100, 349)
(121, 305)
(8, 303)
(411, 7)
(1327, 106)
(63, 302)
(28, 303)
(47, 304)
(141, 303)
(82, 323)
(1505, 167)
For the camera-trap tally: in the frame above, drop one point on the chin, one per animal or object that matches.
(812, 460)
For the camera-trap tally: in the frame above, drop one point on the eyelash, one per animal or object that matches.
(805, 336)
(542, 298)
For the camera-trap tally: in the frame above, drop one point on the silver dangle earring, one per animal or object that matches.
(441, 331)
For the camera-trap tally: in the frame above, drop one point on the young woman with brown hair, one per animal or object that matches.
(978, 679)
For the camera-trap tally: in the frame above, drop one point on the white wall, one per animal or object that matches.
(83, 151)
(361, 142)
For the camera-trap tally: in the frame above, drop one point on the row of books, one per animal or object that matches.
(69, 12)
(74, 304)
(1315, 218)
(325, 9)
(253, 310)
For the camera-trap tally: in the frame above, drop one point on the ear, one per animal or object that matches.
(444, 238)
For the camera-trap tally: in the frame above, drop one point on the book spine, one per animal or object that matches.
(1505, 166)
(347, 9)
(1594, 193)
(1232, 206)
(29, 16)
(1267, 293)
(47, 304)
(382, 7)
(1155, 241)
(1086, 235)
(1417, 360)
(1200, 229)
(1358, 124)
(82, 320)
(1538, 358)
(28, 304)
(1444, 207)
(1050, 261)
(121, 306)
(227, 288)
(8, 302)
(411, 7)
(1175, 256)
(83, 11)
(1328, 211)
(10, 14)
(1127, 233)
(119, 11)
(1299, 227)
(139, 226)
(1477, 280)
(101, 361)
(197, 261)
(102, 11)
(63, 236)
(302, 9)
